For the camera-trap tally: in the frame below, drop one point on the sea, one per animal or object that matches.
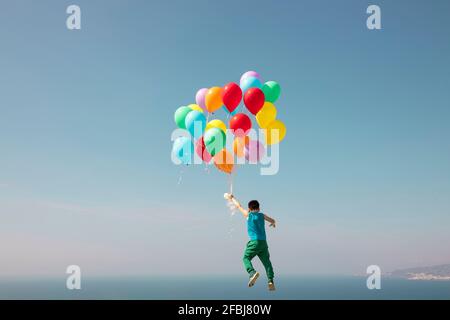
(224, 288)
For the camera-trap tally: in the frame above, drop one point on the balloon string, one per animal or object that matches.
(231, 182)
(231, 206)
(180, 177)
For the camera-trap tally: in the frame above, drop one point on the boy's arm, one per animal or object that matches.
(238, 205)
(270, 220)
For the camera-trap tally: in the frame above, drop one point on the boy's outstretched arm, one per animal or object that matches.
(238, 205)
(270, 220)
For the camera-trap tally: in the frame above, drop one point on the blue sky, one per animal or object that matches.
(86, 118)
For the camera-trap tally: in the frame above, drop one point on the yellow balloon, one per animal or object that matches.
(275, 132)
(216, 124)
(213, 99)
(266, 115)
(195, 107)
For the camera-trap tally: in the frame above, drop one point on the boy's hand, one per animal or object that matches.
(272, 224)
(238, 205)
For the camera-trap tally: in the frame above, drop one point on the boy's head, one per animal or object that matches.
(253, 205)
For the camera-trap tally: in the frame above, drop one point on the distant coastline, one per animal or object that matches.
(439, 272)
(426, 276)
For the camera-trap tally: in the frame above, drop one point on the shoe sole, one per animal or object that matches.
(253, 279)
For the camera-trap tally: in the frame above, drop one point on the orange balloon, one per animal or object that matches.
(213, 99)
(224, 161)
(239, 144)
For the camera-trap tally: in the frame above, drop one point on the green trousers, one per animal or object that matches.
(258, 248)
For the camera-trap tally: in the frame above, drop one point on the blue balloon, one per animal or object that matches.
(231, 113)
(183, 149)
(250, 82)
(195, 123)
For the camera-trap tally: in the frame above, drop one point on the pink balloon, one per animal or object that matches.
(200, 98)
(254, 151)
(201, 151)
(250, 74)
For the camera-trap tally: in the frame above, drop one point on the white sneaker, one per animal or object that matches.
(253, 279)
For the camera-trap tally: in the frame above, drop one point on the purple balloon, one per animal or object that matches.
(254, 151)
(250, 74)
(200, 98)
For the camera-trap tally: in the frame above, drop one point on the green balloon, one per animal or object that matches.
(271, 91)
(180, 115)
(214, 139)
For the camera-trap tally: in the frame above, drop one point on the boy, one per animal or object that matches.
(257, 246)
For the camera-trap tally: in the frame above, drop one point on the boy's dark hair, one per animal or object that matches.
(253, 205)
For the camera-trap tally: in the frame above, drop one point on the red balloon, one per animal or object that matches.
(200, 149)
(240, 124)
(254, 100)
(231, 96)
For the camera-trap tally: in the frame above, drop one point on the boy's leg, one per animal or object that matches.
(249, 253)
(264, 256)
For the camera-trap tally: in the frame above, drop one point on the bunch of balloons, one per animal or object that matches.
(207, 138)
